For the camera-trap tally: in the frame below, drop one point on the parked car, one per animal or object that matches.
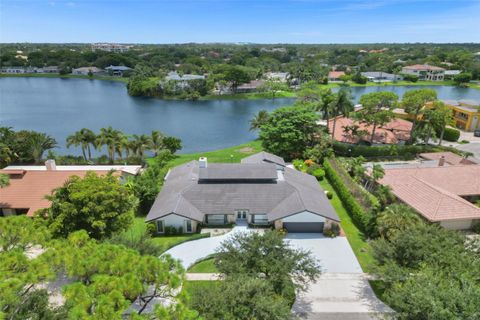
(476, 133)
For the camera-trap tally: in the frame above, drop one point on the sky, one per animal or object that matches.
(262, 21)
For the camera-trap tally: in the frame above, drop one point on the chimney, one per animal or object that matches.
(202, 162)
(50, 165)
(441, 162)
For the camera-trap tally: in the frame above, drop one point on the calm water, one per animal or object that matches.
(59, 107)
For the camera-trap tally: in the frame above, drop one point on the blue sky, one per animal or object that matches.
(272, 21)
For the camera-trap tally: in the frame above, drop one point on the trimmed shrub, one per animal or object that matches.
(360, 204)
(476, 228)
(410, 77)
(451, 134)
(329, 195)
(319, 174)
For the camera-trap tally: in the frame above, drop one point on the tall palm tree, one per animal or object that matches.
(109, 137)
(259, 120)
(140, 143)
(327, 99)
(156, 142)
(82, 138)
(39, 143)
(341, 106)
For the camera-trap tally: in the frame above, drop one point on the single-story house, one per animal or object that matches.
(182, 81)
(259, 191)
(378, 76)
(117, 70)
(251, 86)
(335, 75)
(396, 131)
(30, 184)
(441, 194)
(87, 70)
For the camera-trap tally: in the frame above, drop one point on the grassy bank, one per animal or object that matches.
(355, 237)
(62, 76)
(204, 266)
(232, 154)
(251, 96)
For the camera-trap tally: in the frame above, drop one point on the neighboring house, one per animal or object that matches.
(30, 184)
(425, 72)
(378, 76)
(117, 70)
(450, 74)
(258, 191)
(251, 86)
(14, 70)
(278, 76)
(110, 47)
(182, 81)
(447, 158)
(441, 194)
(335, 76)
(86, 70)
(51, 69)
(396, 131)
(466, 113)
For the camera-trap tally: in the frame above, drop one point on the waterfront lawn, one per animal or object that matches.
(204, 266)
(232, 154)
(355, 237)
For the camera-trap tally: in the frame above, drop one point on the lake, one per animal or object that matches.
(60, 107)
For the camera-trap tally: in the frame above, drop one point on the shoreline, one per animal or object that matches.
(245, 96)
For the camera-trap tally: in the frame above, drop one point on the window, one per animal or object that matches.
(188, 226)
(160, 226)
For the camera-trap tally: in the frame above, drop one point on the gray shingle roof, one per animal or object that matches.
(237, 171)
(292, 193)
(264, 157)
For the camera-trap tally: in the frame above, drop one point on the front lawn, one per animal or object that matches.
(355, 237)
(204, 266)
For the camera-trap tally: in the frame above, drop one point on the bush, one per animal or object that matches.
(299, 165)
(360, 204)
(410, 77)
(333, 231)
(464, 142)
(319, 174)
(329, 195)
(451, 134)
(476, 228)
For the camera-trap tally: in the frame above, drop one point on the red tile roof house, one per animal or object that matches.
(396, 131)
(440, 194)
(425, 72)
(30, 184)
(335, 76)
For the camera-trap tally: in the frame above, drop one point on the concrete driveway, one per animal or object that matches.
(473, 147)
(191, 251)
(342, 291)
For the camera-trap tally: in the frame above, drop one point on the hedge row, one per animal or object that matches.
(392, 151)
(450, 134)
(361, 205)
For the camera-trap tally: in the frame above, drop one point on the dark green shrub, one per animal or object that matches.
(476, 228)
(451, 134)
(329, 195)
(319, 174)
(410, 77)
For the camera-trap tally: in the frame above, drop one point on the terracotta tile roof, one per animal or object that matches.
(29, 190)
(392, 133)
(450, 158)
(335, 74)
(435, 191)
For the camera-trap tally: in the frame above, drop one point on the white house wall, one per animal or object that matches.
(457, 224)
(304, 216)
(176, 221)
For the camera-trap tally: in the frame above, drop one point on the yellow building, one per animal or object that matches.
(466, 114)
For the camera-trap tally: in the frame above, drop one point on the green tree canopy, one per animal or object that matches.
(98, 204)
(414, 101)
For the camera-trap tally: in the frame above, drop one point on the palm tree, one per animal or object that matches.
(140, 143)
(327, 99)
(83, 138)
(341, 106)
(156, 142)
(259, 120)
(39, 143)
(109, 137)
(123, 144)
(395, 218)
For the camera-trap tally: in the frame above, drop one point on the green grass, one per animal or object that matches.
(204, 266)
(250, 96)
(164, 243)
(232, 154)
(66, 76)
(355, 237)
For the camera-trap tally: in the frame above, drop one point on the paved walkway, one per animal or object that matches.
(191, 251)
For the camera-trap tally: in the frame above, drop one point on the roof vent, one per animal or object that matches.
(441, 161)
(50, 165)
(202, 162)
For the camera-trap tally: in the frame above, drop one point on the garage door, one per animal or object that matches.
(303, 226)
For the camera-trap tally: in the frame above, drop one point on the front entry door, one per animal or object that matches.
(242, 214)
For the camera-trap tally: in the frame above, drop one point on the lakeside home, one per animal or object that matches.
(87, 70)
(260, 190)
(334, 76)
(379, 76)
(425, 72)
